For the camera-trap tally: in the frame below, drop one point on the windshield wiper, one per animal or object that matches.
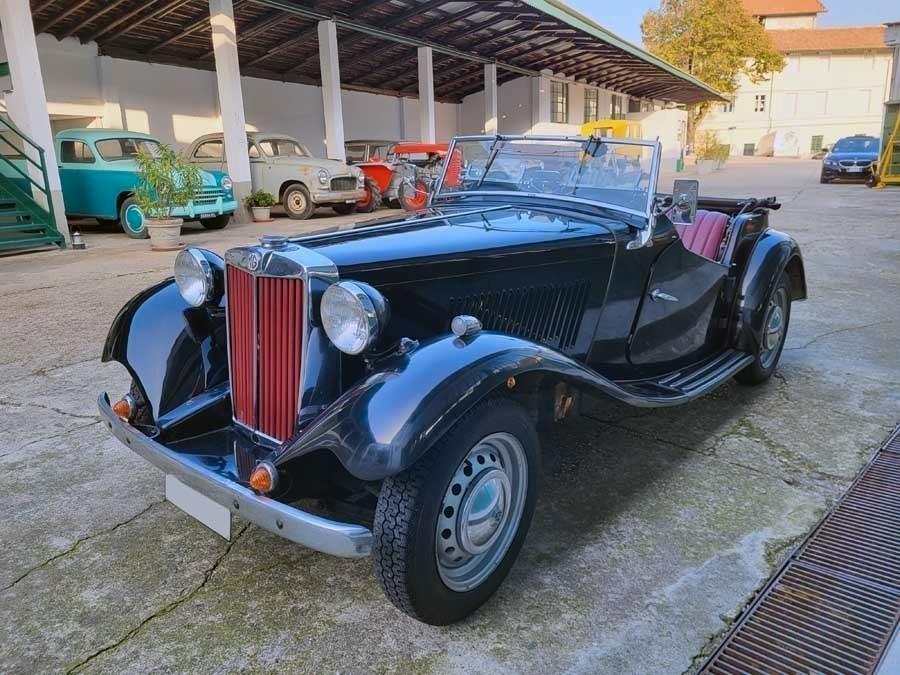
(495, 150)
(584, 155)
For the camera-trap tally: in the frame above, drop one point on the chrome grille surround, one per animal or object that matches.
(291, 261)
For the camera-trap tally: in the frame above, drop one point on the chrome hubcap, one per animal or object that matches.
(481, 511)
(774, 330)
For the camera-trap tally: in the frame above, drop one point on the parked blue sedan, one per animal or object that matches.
(98, 172)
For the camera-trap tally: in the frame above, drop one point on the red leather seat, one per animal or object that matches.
(704, 235)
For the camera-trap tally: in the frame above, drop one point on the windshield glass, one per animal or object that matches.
(115, 149)
(863, 144)
(613, 173)
(282, 147)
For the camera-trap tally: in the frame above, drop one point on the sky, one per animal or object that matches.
(624, 18)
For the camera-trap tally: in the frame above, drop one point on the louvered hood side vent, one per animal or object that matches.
(550, 314)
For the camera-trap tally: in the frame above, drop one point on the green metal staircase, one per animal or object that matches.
(24, 223)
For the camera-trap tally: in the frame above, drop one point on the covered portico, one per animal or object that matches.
(435, 51)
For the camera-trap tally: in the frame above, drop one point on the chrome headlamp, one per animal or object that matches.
(353, 315)
(195, 276)
(324, 176)
(226, 183)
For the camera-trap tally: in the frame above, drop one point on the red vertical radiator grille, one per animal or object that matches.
(280, 312)
(265, 322)
(242, 334)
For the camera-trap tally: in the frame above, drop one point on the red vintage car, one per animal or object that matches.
(416, 163)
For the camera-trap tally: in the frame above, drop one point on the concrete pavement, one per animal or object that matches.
(652, 531)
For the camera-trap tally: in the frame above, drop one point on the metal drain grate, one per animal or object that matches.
(833, 606)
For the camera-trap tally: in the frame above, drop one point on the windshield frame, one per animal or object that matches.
(651, 187)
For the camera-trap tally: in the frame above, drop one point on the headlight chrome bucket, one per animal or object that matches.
(353, 315)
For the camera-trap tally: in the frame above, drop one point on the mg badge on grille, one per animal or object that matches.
(253, 262)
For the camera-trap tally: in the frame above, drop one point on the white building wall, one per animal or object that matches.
(825, 94)
(790, 22)
(179, 104)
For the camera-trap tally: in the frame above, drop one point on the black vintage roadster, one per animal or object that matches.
(377, 390)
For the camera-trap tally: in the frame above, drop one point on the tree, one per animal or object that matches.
(716, 41)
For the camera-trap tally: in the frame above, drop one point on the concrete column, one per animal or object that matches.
(27, 103)
(231, 101)
(491, 118)
(540, 101)
(331, 90)
(426, 95)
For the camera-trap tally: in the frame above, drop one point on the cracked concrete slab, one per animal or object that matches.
(653, 529)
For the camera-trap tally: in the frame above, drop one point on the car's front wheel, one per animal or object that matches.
(297, 202)
(775, 326)
(448, 529)
(131, 218)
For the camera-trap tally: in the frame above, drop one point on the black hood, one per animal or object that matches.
(458, 235)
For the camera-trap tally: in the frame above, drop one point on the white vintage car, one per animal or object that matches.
(285, 167)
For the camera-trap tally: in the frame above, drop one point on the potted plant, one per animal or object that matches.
(167, 181)
(707, 152)
(260, 202)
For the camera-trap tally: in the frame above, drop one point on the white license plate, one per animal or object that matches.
(855, 169)
(215, 516)
(207, 215)
(350, 201)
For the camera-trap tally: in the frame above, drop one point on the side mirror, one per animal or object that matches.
(685, 194)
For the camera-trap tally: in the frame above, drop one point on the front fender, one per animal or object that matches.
(173, 351)
(392, 417)
(773, 253)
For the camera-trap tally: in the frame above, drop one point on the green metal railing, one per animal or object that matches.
(40, 165)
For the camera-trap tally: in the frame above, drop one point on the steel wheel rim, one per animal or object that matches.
(481, 511)
(297, 201)
(774, 331)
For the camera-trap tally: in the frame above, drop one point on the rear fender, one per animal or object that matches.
(173, 351)
(774, 253)
(391, 418)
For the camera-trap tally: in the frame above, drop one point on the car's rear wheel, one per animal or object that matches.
(771, 344)
(216, 222)
(131, 218)
(448, 530)
(372, 199)
(297, 202)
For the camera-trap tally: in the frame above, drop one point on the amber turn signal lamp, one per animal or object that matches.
(124, 407)
(263, 477)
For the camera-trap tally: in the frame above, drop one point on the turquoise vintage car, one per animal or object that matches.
(98, 172)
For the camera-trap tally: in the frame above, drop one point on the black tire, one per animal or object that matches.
(411, 504)
(344, 209)
(129, 220)
(216, 222)
(375, 198)
(766, 357)
(824, 180)
(297, 202)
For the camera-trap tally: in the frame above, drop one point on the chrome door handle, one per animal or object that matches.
(657, 295)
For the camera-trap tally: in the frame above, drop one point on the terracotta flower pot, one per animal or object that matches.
(165, 234)
(262, 214)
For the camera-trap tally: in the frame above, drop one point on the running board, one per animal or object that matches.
(688, 383)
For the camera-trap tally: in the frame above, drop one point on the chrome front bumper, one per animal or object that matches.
(315, 532)
(337, 196)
